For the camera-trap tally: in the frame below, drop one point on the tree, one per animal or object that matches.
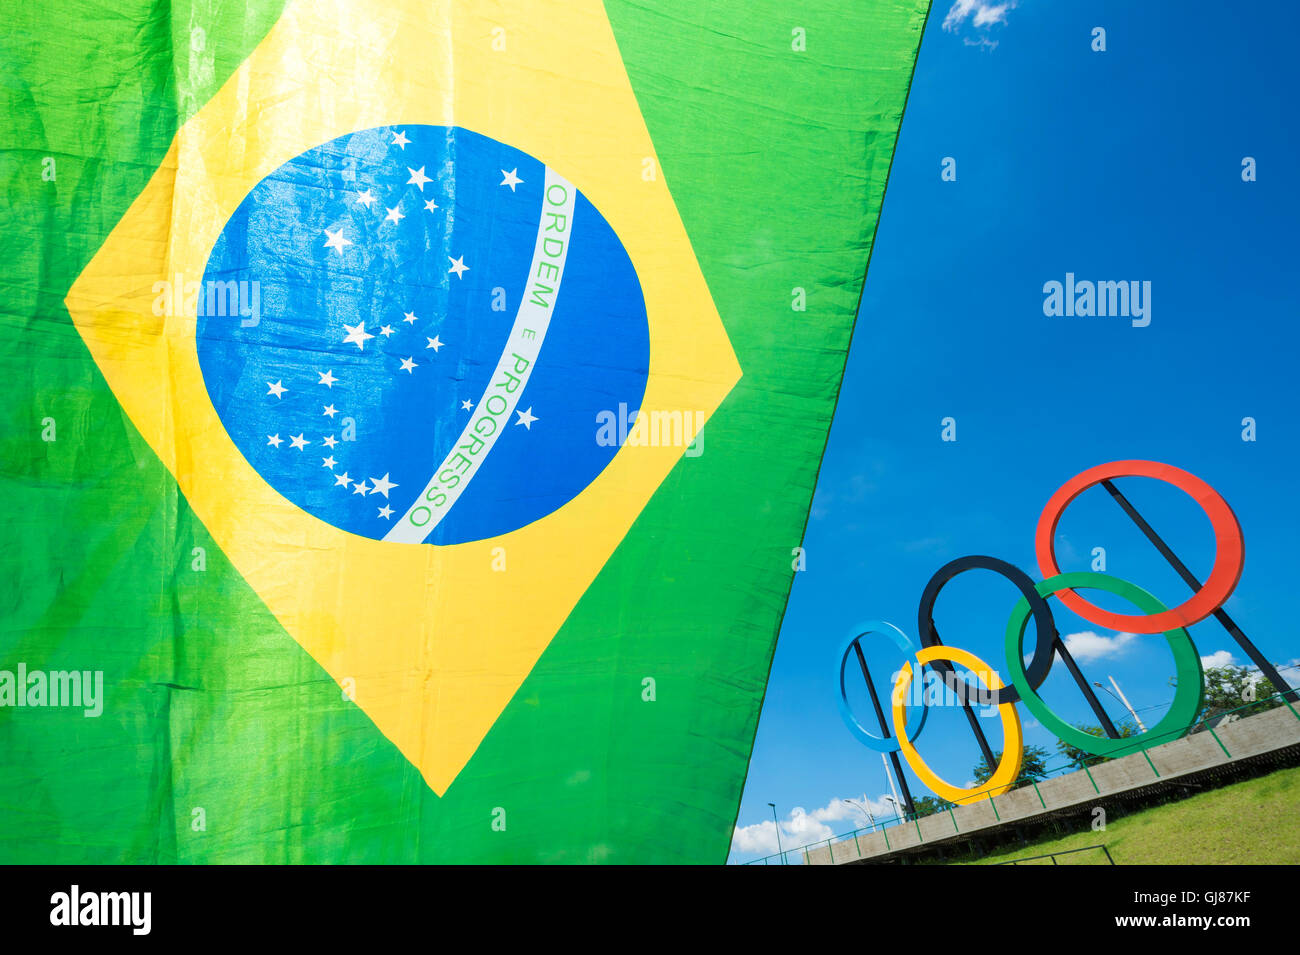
(929, 805)
(1241, 690)
(1080, 758)
(1033, 765)
(1230, 688)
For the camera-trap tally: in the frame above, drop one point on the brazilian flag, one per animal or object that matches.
(411, 412)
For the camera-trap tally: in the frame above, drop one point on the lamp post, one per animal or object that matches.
(898, 809)
(1123, 699)
(863, 808)
(777, 823)
(889, 776)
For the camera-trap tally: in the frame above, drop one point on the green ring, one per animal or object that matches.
(1191, 680)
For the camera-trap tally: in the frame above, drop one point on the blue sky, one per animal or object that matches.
(1116, 165)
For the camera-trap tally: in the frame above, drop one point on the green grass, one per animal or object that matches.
(1256, 821)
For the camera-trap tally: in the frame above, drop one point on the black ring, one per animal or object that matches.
(1044, 623)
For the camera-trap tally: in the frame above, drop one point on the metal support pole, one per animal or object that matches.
(884, 728)
(971, 718)
(1098, 710)
(1252, 651)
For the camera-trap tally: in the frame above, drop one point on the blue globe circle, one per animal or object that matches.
(374, 301)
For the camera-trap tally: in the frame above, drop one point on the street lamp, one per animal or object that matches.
(777, 823)
(898, 808)
(871, 819)
(1123, 699)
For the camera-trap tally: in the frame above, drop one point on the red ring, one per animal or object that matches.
(1229, 547)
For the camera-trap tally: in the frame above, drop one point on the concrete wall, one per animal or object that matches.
(1258, 734)
(1190, 753)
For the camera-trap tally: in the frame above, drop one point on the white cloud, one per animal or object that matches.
(1219, 658)
(989, 13)
(1088, 645)
(758, 839)
(801, 827)
(982, 15)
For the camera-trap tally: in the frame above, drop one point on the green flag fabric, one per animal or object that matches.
(207, 658)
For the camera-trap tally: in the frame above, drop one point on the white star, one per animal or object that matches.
(467, 404)
(386, 330)
(435, 343)
(366, 198)
(511, 179)
(361, 488)
(458, 266)
(276, 389)
(299, 442)
(330, 441)
(409, 318)
(330, 411)
(357, 335)
(342, 480)
(399, 139)
(430, 204)
(418, 178)
(395, 214)
(336, 241)
(382, 485)
(526, 418)
(409, 365)
(386, 512)
(274, 439)
(328, 462)
(327, 378)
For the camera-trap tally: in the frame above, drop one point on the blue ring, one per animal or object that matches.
(904, 643)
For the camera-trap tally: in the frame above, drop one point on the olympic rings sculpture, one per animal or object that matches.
(1154, 618)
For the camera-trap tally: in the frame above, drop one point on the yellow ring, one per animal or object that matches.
(1004, 777)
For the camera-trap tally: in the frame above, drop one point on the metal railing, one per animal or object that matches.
(1063, 852)
(1141, 743)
